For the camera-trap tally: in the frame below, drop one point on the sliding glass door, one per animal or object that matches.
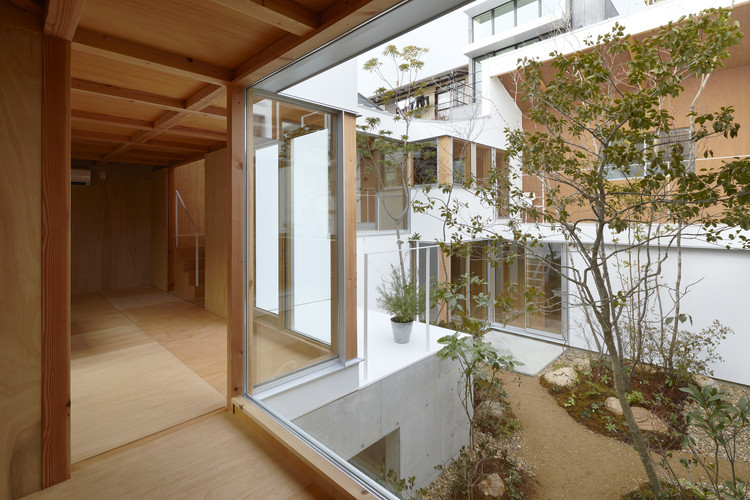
(295, 228)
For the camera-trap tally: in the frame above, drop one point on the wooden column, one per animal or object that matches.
(445, 160)
(55, 261)
(235, 248)
(350, 234)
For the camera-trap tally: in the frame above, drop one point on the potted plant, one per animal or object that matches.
(403, 300)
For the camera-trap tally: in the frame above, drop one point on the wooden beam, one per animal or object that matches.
(61, 18)
(285, 14)
(149, 57)
(163, 162)
(235, 274)
(337, 20)
(118, 121)
(84, 136)
(55, 261)
(137, 96)
(205, 97)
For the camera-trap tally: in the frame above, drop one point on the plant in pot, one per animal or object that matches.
(403, 300)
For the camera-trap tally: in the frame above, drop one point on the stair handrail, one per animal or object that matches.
(177, 202)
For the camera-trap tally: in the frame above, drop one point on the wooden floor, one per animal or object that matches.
(142, 361)
(215, 456)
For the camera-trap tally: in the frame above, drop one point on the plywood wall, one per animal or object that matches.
(190, 181)
(111, 230)
(20, 265)
(159, 233)
(217, 218)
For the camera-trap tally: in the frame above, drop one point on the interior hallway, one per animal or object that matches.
(142, 361)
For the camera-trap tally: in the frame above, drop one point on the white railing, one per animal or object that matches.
(376, 323)
(177, 202)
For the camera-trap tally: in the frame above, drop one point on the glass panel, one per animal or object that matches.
(484, 163)
(550, 6)
(502, 171)
(482, 26)
(510, 281)
(478, 269)
(382, 198)
(504, 18)
(527, 10)
(542, 274)
(461, 160)
(425, 164)
(294, 158)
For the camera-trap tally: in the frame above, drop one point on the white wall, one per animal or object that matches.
(720, 280)
(336, 87)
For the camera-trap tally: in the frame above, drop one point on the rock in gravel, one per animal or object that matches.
(704, 381)
(582, 364)
(491, 409)
(492, 486)
(613, 405)
(647, 421)
(562, 377)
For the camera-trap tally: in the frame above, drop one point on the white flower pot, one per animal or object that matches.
(401, 331)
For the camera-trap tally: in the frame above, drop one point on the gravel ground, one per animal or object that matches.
(704, 445)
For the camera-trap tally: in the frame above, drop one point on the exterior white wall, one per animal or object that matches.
(720, 280)
(336, 87)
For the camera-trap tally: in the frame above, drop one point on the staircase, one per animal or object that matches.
(185, 269)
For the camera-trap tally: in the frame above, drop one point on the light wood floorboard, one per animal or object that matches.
(217, 457)
(141, 361)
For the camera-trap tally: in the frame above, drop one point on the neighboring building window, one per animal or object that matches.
(425, 164)
(509, 15)
(381, 200)
(657, 144)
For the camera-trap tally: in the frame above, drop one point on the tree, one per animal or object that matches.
(383, 155)
(610, 149)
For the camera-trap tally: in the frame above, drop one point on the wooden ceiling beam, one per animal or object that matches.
(103, 118)
(285, 14)
(61, 18)
(137, 161)
(205, 96)
(128, 52)
(88, 137)
(137, 96)
(117, 121)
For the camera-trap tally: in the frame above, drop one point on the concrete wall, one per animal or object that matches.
(419, 401)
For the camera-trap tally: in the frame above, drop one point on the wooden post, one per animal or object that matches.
(235, 259)
(350, 235)
(55, 261)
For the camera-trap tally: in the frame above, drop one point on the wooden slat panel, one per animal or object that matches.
(20, 266)
(235, 255)
(217, 212)
(56, 262)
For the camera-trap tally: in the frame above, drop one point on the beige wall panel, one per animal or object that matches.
(445, 176)
(20, 265)
(159, 233)
(217, 213)
(111, 230)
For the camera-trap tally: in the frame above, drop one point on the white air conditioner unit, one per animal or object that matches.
(80, 177)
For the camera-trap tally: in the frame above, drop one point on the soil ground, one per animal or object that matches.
(570, 461)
